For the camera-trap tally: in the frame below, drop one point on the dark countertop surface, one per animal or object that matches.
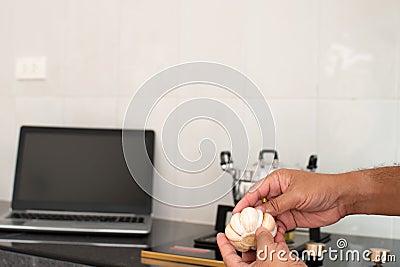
(51, 249)
(46, 249)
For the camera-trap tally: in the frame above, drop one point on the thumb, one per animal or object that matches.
(265, 242)
(264, 237)
(279, 204)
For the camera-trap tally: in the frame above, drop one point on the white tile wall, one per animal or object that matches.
(256, 137)
(149, 41)
(213, 31)
(39, 30)
(7, 48)
(92, 112)
(358, 48)
(91, 48)
(296, 132)
(330, 70)
(282, 47)
(371, 225)
(203, 90)
(396, 228)
(356, 134)
(156, 121)
(8, 146)
(39, 110)
(122, 106)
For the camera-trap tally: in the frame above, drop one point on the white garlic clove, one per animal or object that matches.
(236, 224)
(240, 247)
(249, 219)
(274, 231)
(231, 234)
(242, 228)
(249, 239)
(269, 223)
(260, 218)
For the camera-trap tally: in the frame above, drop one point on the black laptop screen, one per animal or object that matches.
(80, 170)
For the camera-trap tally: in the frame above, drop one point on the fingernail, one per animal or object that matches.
(260, 208)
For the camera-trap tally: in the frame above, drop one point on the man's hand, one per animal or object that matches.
(304, 199)
(297, 199)
(265, 245)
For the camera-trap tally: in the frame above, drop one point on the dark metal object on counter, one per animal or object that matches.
(312, 163)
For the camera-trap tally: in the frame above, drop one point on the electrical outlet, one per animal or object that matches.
(30, 68)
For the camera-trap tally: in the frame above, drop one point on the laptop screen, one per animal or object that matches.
(71, 169)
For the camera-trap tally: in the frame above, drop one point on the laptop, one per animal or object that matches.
(77, 180)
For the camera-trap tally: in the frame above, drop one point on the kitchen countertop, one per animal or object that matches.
(46, 249)
(66, 250)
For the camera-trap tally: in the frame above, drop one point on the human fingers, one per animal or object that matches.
(228, 252)
(271, 186)
(287, 220)
(280, 235)
(251, 198)
(279, 204)
(264, 238)
(249, 256)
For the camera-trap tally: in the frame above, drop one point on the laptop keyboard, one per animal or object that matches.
(80, 218)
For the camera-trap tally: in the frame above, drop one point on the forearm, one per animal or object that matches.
(375, 191)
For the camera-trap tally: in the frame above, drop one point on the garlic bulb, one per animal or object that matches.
(241, 231)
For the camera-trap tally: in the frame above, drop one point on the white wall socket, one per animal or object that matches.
(30, 68)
